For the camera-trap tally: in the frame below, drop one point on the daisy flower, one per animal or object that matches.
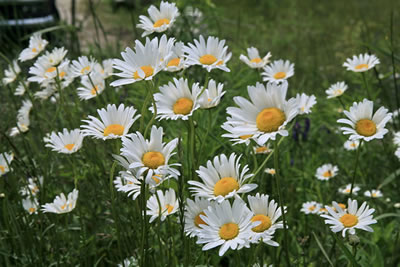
(164, 47)
(65, 142)
(396, 138)
(61, 204)
(326, 172)
(346, 190)
(270, 171)
(23, 121)
(305, 103)
(54, 57)
(222, 179)
(92, 86)
(128, 183)
(226, 226)
(278, 71)
(336, 90)
(44, 72)
(11, 73)
(212, 95)
(36, 45)
(176, 60)
(82, 66)
(211, 55)
(105, 68)
(114, 123)
(20, 90)
(262, 149)
(351, 145)
(311, 207)
(351, 219)
(168, 204)
(129, 262)
(266, 115)
(150, 156)
(254, 60)
(193, 210)
(47, 91)
(142, 64)
(160, 19)
(236, 138)
(30, 205)
(397, 153)
(32, 188)
(364, 126)
(374, 193)
(176, 101)
(361, 63)
(5, 162)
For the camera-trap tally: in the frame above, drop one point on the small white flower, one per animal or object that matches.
(61, 204)
(66, 142)
(193, 210)
(83, 66)
(396, 138)
(397, 153)
(278, 71)
(92, 86)
(270, 171)
(105, 68)
(176, 60)
(305, 103)
(20, 90)
(168, 204)
(36, 45)
(254, 60)
(336, 90)
(311, 207)
(32, 188)
(5, 162)
(128, 183)
(346, 190)
(23, 121)
(30, 205)
(361, 63)
(11, 73)
(351, 145)
(326, 172)
(212, 95)
(262, 149)
(374, 193)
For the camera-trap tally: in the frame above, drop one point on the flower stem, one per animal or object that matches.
(355, 168)
(154, 112)
(366, 85)
(144, 225)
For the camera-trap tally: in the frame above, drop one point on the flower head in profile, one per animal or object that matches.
(262, 149)
(176, 60)
(44, 72)
(374, 193)
(20, 90)
(270, 171)
(61, 204)
(278, 71)
(254, 60)
(326, 172)
(23, 120)
(164, 205)
(222, 179)
(32, 188)
(128, 183)
(83, 66)
(160, 19)
(396, 139)
(5, 162)
(212, 95)
(350, 219)
(105, 68)
(36, 45)
(346, 190)
(114, 123)
(65, 142)
(305, 103)
(93, 85)
(11, 73)
(212, 54)
(31, 205)
(311, 207)
(193, 211)
(364, 125)
(234, 136)
(351, 145)
(336, 89)
(361, 63)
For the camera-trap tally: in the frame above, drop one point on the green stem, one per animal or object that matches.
(154, 113)
(144, 225)
(355, 168)
(341, 102)
(366, 85)
(143, 111)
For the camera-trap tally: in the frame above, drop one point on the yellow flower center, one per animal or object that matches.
(198, 220)
(85, 69)
(347, 190)
(361, 66)
(366, 127)
(95, 90)
(116, 129)
(327, 174)
(280, 75)
(323, 210)
(353, 144)
(269, 119)
(34, 50)
(148, 71)
(156, 178)
(183, 106)
(264, 225)
(311, 208)
(32, 210)
(338, 92)
(62, 74)
(34, 190)
(207, 59)
(348, 220)
(246, 136)
(169, 208)
(69, 146)
(272, 171)
(261, 149)
(229, 231)
(374, 194)
(225, 186)
(160, 22)
(2, 169)
(174, 62)
(63, 206)
(153, 159)
(256, 60)
(51, 69)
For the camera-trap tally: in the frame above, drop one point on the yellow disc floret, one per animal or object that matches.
(148, 71)
(269, 119)
(160, 23)
(229, 231)
(280, 75)
(207, 59)
(264, 225)
(69, 146)
(366, 127)
(2, 169)
(116, 129)
(256, 60)
(225, 186)
(169, 208)
(174, 62)
(198, 220)
(85, 69)
(361, 66)
(183, 106)
(348, 220)
(153, 159)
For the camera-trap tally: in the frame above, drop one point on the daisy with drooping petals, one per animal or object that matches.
(30, 205)
(20, 90)
(222, 179)
(176, 101)
(212, 95)
(36, 45)
(326, 172)
(92, 86)
(164, 47)
(193, 210)
(160, 20)
(278, 71)
(262, 149)
(44, 72)
(5, 161)
(254, 60)
(305, 103)
(82, 66)
(361, 63)
(11, 73)
(351, 145)
(142, 64)
(270, 171)
(311, 207)
(265, 116)
(66, 142)
(48, 91)
(211, 55)
(128, 183)
(336, 90)
(61, 204)
(351, 219)
(236, 138)
(346, 190)
(364, 126)
(105, 68)
(23, 121)
(374, 193)
(32, 188)
(168, 204)
(114, 123)
(226, 226)
(396, 138)
(176, 60)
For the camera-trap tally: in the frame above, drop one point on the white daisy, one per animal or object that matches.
(212, 95)
(374, 193)
(83, 66)
(397, 153)
(336, 90)
(54, 57)
(351, 145)
(11, 73)
(311, 207)
(30, 205)
(350, 219)
(5, 162)
(396, 138)
(105, 68)
(254, 60)
(270, 171)
(44, 72)
(278, 71)
(326, 172)
(210, 55)
(164, 47)
(364, 126)
(236, 138)
(47, 91)
(262, 149)
(163, 205)
(66, 142)
(114, 123)
(193, 210)
(305, 103)
(176, 100)
(346, 190)
(128, 183)
(20, 90)
(36, 45)
(92, 86)
(226, 226)
(222, 179)
(23, 121)
(176, 60)
(160, 19)
(129, 262)
(32, 188)
(361, 63)
(265, 116)
(61, 204)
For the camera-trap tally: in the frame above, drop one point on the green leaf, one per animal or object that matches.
(322, 249)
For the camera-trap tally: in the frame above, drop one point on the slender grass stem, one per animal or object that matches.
(366, 85)
(355, 168)
(154, 113)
